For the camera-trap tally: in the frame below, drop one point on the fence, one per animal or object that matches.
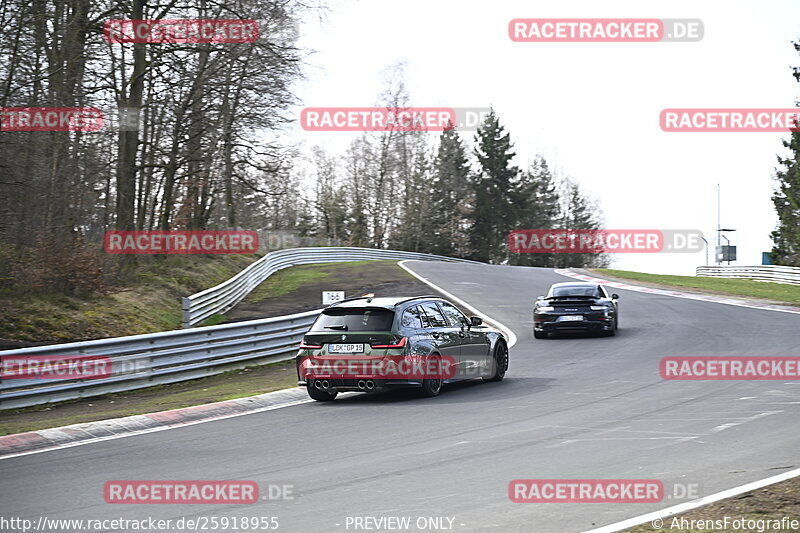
(774, 273)
(159, 358)
(199, 307)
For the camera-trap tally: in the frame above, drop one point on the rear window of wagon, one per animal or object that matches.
(354, 319)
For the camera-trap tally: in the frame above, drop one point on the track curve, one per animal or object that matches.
(580, 407)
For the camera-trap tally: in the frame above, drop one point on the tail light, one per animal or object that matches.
(304, 346)
(401, 343)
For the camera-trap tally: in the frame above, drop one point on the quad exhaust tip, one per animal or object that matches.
(323, 384)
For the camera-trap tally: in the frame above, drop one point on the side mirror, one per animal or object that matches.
(540, 297)
(475, 321)
(615, 296)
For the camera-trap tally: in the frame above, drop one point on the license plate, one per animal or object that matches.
(570, 318)
(345, 348)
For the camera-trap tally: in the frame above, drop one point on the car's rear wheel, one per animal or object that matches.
(319, 395)
(613, 330)
(500, 362)
(539, 334)
(432, 387)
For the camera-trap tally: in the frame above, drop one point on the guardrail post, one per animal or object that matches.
(186, 305)
(227, 294)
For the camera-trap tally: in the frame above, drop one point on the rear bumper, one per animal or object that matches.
(595, 322)
(577, 326)
(365, 384)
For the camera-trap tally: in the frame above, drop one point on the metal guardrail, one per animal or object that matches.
(199, 307)
(158, 358)
(774, 273)
(140, 361)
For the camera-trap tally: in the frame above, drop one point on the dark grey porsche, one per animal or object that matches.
(375, 344)
(575, 306)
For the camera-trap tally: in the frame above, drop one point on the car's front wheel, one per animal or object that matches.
(500, 362)
(319, 395)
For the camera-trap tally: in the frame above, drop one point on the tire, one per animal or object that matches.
(431, 387)
(320, 395)
(540, 334)
(613, 331)
(500, 362)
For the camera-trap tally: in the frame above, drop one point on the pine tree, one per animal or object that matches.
(786, 199)
(537, 207)
(450, 191)
(578, 212)
(493, 212)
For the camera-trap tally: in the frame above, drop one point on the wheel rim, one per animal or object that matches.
(435, 385)
(502, 361)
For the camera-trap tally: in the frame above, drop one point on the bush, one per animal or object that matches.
(70, 267)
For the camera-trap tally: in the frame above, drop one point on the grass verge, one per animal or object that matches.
(299, 288)
(227, 386)
(149, 301)
(291, 279)
(289, 291)
(771, 503)
(739, 287)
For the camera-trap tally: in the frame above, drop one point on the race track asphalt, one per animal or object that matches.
(570, 408)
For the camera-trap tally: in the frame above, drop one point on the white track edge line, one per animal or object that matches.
(664, 292)
(683, 507)
(511, 337)
(155, 429)
(676, 509)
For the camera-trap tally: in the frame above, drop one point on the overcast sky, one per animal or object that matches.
(592, 109)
